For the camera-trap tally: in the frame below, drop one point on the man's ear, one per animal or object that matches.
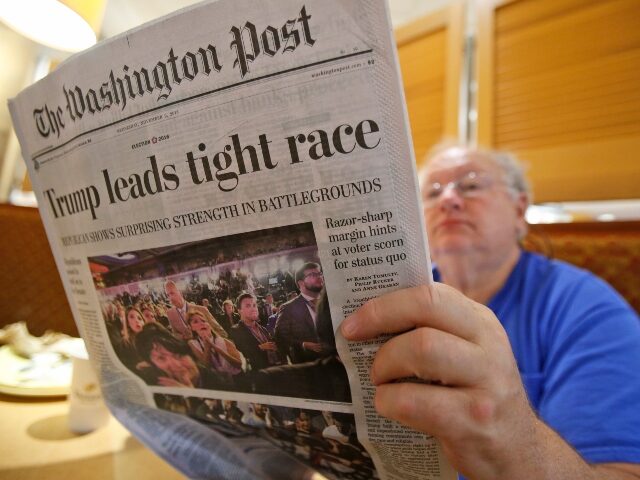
(521, 203)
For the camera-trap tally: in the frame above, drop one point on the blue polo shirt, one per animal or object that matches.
(577, 344)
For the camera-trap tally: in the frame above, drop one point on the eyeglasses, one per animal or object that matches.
(471, 185)
(314, 274)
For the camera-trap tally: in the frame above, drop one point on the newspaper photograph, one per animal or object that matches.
(173, 307)
(323, 440)
(221, 188)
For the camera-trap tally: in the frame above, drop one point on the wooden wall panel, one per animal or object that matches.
(430, 54)
(423, 71)
(558, 85)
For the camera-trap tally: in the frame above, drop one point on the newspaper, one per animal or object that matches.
(221, 188)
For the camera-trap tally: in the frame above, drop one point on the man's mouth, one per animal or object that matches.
(452, 223)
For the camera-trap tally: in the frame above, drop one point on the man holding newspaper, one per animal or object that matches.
(551, 366)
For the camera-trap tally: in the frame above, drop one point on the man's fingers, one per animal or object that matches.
(428, 354)
(435, 305)
(431, 409)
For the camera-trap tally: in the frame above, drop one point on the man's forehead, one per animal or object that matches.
(247, 302)
(459, 160)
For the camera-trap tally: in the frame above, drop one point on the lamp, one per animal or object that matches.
(67, 25)
(64, 26)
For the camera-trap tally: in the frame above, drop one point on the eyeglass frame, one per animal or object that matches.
(430, 201)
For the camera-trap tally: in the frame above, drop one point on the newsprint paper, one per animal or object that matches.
(220, 188)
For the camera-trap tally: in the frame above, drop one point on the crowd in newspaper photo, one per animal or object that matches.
(245, 313)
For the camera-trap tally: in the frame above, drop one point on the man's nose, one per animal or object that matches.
(450, 198)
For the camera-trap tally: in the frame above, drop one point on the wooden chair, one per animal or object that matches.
(30, 286)
(611, 250)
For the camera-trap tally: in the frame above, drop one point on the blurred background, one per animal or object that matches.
(554, 81)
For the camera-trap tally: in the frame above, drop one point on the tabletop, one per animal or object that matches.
(35, 443)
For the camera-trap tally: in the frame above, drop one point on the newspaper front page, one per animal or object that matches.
(220, 188)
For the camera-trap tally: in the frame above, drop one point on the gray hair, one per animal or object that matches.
(512, 168)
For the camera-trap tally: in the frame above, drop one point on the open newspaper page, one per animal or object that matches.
(220, 189)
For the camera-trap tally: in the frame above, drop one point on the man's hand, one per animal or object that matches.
(476, 405)
(314, 347)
